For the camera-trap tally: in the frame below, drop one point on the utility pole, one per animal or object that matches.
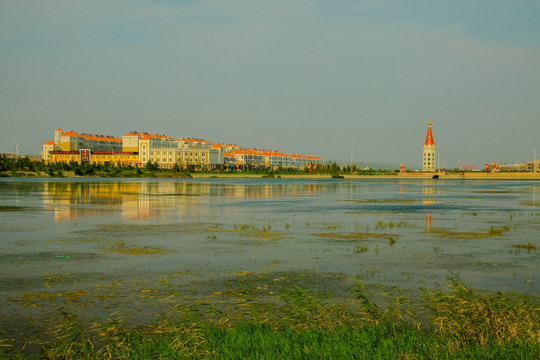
(351, 159)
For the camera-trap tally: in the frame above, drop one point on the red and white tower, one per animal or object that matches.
(429, 151)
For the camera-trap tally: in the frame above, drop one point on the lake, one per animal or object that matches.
(106, 245)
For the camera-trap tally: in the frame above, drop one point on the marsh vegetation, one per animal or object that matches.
(285, 315)
(268, 268)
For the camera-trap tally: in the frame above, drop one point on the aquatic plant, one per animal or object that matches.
(527, 246)
(120, 247)
(353, 236)
(471, 235)
(250, 231)
(361, 249)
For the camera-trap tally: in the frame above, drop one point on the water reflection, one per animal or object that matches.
(69, 200)
(428, 222)
(429, 189)
(247, 224)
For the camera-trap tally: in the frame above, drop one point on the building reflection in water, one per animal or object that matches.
(146, 199)
(428, 222)
(429, 189)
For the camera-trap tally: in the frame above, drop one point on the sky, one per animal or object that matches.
(338, 79)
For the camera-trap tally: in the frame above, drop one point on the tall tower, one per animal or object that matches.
(429, 151)
(57, 135)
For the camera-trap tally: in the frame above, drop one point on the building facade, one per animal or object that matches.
(70, 146)
(160, 150)
(194, 153)
(429, 151)
(137, 149)
(257, 158)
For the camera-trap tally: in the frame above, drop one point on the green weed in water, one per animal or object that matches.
(361, 249)
(528, 247)
(250, 231)
(354, 236)
(120, 247)
(471, 235)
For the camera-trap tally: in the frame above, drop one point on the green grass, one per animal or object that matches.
(374, 323)
(248, 340)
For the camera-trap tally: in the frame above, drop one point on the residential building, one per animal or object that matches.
(256, 158)
(158, 149)
(194, 153)
(533, 166)
(140, 148)
(70, 146)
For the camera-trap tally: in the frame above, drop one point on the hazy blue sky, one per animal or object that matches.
(315, 77)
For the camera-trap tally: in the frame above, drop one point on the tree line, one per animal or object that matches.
(25, 166)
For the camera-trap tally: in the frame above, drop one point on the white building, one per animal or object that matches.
(428, 160)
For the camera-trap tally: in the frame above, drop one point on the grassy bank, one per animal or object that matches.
(451, 323)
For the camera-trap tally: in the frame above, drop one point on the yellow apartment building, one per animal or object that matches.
(156, 148)
(194, 153)
(70, 146)
(138, 148)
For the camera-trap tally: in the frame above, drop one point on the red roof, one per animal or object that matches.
(429, 136)
(49, 143)
(194, 140)
(146, 136)
(71, 133)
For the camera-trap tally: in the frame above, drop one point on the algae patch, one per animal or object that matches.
(470, 235)
(120, 247)
(353, 236)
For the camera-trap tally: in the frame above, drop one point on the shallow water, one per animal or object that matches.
(120, 242)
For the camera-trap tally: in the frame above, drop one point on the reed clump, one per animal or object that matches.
(463, 317)
(299, 323)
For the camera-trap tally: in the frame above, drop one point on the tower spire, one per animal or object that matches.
(429, 136)
(429, 151)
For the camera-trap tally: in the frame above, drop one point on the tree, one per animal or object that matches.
(151, 166)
